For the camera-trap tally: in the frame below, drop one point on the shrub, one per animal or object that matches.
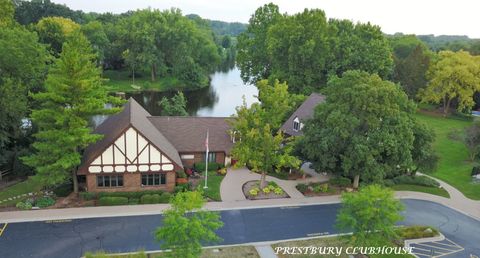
(254, 191)
(272, 183)
(475, 171)
(63, 190)
(388, 182)
(222, 171)
(111, 201)
(133, 201)
(302, 188)
(24, 205)
(181, 174)
(200, 166)
(266, 190)
(165, 198)
(413, 232)
(182, 187)
(272, 187)
(340, 181)
(150, 199)
(320, 188)
(44, 202)
(278, 191)
(415, 180)
(88, 195)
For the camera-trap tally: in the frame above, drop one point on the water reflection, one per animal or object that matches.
(220, 99)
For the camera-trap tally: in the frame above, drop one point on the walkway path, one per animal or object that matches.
(231, 187)
(265, 251)
(235, 200)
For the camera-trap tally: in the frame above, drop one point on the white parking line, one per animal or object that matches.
(3, 228)
(430, 247)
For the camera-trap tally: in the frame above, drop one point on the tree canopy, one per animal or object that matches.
(364, 129)
(453, 76)
(73, 93)
(176, 106)
(186, 226)
(257, 128)
(372, 214)
(304, 49)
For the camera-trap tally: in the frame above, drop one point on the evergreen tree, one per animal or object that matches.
(73, 94)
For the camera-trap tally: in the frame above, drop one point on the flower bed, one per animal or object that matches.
(252, 191)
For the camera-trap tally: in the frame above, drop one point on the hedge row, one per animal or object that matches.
(128, 195)
(155, 198)
(200, 166)
(111, 201)
(415, 180)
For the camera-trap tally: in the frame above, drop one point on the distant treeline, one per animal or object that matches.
(148, 42)
(449, 42)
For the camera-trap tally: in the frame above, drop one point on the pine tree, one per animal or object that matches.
(73, 94)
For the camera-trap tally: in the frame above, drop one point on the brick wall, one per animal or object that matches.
(131, 182)
(200, 157)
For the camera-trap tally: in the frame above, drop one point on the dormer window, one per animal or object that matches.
(296, 124)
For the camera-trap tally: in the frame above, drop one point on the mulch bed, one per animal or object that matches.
(261, 195)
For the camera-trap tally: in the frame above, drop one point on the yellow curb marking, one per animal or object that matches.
(3, 229)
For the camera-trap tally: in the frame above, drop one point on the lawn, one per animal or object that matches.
(121, 81)
(424, 189)
(454, 166)
(27, 186)
(213, 183)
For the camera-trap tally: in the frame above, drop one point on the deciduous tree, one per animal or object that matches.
(176, 106)
(260, 145)
(472, 140)
(366, 129)
(186, 226)
(54, 31)
(371, 214)
(454, 76)
(73, 94)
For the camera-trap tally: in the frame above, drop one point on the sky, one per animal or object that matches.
(440, 17)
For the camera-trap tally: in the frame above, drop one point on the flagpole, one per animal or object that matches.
(206, 162)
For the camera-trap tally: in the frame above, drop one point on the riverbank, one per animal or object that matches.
(121, 81)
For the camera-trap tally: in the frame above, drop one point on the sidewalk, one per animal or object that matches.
(231, 187)
(457, 202)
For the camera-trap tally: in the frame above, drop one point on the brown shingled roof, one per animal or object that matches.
(188, 134)
(304, 112)
(132, 115)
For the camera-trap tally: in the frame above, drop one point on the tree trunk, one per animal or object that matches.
(75, 181)
(154, 72)
(356, 181)
(133, 75)
(446, 107)
(263, 180)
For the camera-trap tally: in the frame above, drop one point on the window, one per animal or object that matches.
(212, 157)
(109, 181)
(296, 124)
(154, 179)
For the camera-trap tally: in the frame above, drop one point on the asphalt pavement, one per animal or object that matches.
(72, 238)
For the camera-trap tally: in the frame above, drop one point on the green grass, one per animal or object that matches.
(424, 189)
(120, 81)
(213, 190)
(27, 186)
(454, 166)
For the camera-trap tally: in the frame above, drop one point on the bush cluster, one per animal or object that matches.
(63, 190)
(182, 187)
(475, 171)
(44, 202)
(200, 166)
(415, 180)
(302, 188)
(155, 198)
(111, 201)
(340, 181)
(414, 232)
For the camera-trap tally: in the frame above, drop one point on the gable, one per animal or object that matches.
(131, 152)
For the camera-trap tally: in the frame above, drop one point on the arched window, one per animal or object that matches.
(296, 124)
